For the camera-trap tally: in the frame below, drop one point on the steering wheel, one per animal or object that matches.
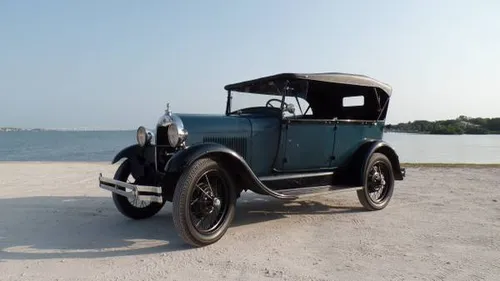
(268, 103)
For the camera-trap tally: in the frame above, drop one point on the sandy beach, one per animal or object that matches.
(442, 224)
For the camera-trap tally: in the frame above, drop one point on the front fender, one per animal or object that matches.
(141, 159)
(233, 161)
(129, 152)
(186, 157)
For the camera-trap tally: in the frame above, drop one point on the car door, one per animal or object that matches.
(307, 144)
(350, 135)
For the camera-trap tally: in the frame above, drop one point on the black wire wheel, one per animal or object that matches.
(378, 183)
(132, 208)
(204, 203)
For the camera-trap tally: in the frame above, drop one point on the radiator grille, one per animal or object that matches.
(161, 136)
(162, 147)
(238, 144)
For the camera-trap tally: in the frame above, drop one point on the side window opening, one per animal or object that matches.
(353, 101)
(301, 106)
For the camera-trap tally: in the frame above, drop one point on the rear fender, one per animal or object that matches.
(231, 160)
(386, 149)
(355, 169)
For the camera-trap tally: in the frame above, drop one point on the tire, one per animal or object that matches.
(191, 201)
(373, 184)
(123, 204)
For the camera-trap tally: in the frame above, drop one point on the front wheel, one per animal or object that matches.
(378, 183)
(134, 209)
(204, 203)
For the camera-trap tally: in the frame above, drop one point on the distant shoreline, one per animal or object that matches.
(462, 125)
(435, 134)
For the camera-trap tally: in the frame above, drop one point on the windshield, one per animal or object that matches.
(242, 101)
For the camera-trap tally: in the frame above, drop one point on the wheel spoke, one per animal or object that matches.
(195, 200)
(208, 205)
(208, 183)
(213, 217)
(377, 184)
(204, 191)
(201, 220)
(215, 190)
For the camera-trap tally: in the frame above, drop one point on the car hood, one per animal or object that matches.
(200, 126)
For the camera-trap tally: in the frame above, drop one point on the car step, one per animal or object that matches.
(314, 191)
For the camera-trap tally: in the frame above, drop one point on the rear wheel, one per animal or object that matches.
(134, 209)
(204, 203)
(378, 183)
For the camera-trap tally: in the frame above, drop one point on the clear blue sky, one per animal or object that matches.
(115, 63)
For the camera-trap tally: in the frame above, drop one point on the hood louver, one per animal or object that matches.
(238, 144)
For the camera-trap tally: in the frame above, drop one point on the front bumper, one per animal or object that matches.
(132, 191)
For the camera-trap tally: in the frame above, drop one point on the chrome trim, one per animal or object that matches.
(167, 119)
(150, 136)
(164, 121)
(156, 157)
(181, 135)
(112, 184)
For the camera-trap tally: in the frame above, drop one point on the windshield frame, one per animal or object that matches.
(283, 94)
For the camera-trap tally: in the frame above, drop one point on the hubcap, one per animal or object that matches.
(217, 203)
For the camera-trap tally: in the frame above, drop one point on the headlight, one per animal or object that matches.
(176, 135)
(173, 135)
(143, 136)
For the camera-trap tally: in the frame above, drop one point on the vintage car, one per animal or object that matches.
(202, 163)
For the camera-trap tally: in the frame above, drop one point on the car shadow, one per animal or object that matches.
(252, 208)
(52, 227)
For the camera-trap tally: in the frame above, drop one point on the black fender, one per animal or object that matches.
(229, 158)
(355, 169)
(383, 147)
(129, 152)
(141, 160)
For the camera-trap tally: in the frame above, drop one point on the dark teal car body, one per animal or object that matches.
(268, 149)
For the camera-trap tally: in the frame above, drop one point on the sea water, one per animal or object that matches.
(99, 146)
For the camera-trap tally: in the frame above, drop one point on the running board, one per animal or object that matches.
(297, 193)
(137, 192)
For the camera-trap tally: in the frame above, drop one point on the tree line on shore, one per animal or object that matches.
(458, 126)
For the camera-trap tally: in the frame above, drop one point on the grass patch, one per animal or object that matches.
(449, 165)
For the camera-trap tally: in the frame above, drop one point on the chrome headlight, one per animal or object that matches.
(176, 135)
(143, 136)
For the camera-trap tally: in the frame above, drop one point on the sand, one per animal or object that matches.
(442, 224)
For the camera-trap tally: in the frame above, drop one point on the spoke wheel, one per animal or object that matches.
(378, 183)
(136, 202)
(134, 209)
(203, 203)
(208, 202)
